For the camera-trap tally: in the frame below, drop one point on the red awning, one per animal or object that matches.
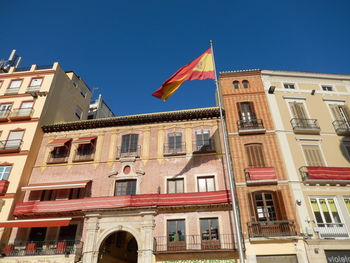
(262, 173)
(51, 186)
(45, 222)
(59, 142)
(85, 140)
(328, 173)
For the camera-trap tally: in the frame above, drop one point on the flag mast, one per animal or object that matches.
(235, 209)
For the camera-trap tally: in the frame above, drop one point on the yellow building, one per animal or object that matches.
(29, 98)
(312, 121)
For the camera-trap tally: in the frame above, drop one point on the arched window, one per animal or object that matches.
(236, 84)
(245, 84)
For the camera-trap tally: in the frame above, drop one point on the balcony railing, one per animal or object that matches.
(121, 153)
(10, 91)
(10, 146)
(37, 248)
(204, 146)
(33, 89)
(342, 127)
(4, 115)
(192, 243)
(250, 126)
(21, 114)
(266, 229)
(83, 155)
(307, 126)
(58, 157)
(174, 149)
(325, 175)
(332, 230)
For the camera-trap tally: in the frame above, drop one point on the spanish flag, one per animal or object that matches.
(200, 68)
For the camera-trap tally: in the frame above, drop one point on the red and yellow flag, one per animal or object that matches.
(200, 68)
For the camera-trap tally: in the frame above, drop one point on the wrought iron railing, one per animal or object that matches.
(86, 154)
(11, 145)
(131, 152)
(254, 124)
(61, 157)
(271, 228)
(304, 124)
(204, 146)
(332, 230)
(341, 127)
(21, 113)
(35, 248)
(164, 244)
(174, 148)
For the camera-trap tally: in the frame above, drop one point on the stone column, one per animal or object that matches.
(145, 252)
(90, 249)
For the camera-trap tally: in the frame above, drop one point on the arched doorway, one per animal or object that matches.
(118, 247)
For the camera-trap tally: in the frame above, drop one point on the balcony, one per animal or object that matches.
(305, 126)
(10, 146)
(174, 149)
(260, 176)
(122, 153)
(193, 243)
(84, 155)
(4, 115)
(4, 184)
(12, 91)
(266, 229)
(61, 157)
(207, 146)
(342, 127)
(254, 126)
(31, 89)
(21, 114)
(39, 248)
(332, 231)
(325, 175)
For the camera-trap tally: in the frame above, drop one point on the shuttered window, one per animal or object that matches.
(255, 155)
(340, 112)
(313, 155)
(298, 110)
(129, 143)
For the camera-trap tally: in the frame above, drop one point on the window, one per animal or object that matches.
(340, 112)
(347, 203)
(75, 84)
(61, 150)
(14, 86)
(67, 233)
(289, 86)
(48, 195)
(174, 143)
(327, 88)
(76, 193)
(245, 84)
(176, 230)
(313, 155)
(175, 185)
(206, 184)
(83, 92)
(125, 187)
(236, 84)
(14, 140)
(209, 229)
(246, 111)
(5, 109)
(325, 211)
(24, 111)
(35, 83)
(298, 110)
(78, 112)
(5, 172)
(202, 140)
(264, 206)
(255, 155)
(37, 234)
(129, 144)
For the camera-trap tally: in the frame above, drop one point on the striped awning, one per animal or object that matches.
(59, 142)
(44, 222)
(85, 140)
(328, 173)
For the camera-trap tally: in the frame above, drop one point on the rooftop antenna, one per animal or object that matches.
(12, 61)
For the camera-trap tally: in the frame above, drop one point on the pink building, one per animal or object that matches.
(141, 188)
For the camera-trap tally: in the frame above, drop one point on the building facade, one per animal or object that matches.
(311, 115)
(29, 98)
(141, 188)
(267, 208)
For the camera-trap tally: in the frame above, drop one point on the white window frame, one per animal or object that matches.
(319, 205)
(34, 86)
(4, 172)
(207, 175)
(172, 178)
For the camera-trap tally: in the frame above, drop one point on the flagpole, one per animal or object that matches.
(235, 209)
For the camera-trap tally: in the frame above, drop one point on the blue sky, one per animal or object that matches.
(127, 49)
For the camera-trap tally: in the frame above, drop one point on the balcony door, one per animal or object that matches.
(175, 142)
(246, 111)
(176, 235)
(341, 113)
(129, 144)
(14, 140)
(265, 208)
(4, 109)
(313, 155)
